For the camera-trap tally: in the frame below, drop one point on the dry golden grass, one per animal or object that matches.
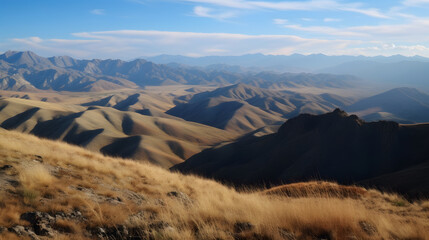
(112, 192)
(35, 175)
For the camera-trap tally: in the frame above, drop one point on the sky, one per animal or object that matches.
(128, 29)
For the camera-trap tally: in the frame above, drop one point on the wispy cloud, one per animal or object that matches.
(128, 44)
(326, 30)
(415, 2)
(312, 5)
(98, 11)
(280, 21)
(332, 20)
(211, 13)
(415, 30)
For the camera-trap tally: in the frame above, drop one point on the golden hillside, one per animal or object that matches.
(52, 190)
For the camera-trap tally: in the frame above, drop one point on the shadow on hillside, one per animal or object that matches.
(19, 119)
(124, 147)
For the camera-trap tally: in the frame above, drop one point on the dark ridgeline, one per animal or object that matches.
(332, 146)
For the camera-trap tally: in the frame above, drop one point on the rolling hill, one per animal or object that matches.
(244, 108)
(163, 141)
(332, 146)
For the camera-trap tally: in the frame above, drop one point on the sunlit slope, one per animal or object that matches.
(120, 133)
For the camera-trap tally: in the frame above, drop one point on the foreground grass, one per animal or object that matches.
(116, 193)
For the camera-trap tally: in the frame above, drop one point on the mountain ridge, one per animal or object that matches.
(333, 146)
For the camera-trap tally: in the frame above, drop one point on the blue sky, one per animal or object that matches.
(128, 29)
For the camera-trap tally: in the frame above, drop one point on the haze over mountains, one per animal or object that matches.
(404, 105)
(282, 63)
(28, 71)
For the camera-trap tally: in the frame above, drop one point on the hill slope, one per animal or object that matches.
(243, 108)
(333, 146)
(405, 105)
(51, 190)
(163, 141)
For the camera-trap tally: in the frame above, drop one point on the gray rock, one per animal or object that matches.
(286, 234)
(242, 227)
(18, 230)
(6, 167)
(183, 197)
(41, 222)
(368, 228)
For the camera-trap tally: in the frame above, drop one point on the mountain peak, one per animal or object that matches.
(27, 58)
(337, 119)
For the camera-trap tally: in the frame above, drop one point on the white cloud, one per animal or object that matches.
(98, 11)
(279, 21)
(210, 13)
(129, 44)
(311, 5)
(326, 30)
(414, 30)
(415, 2)
(332, 20)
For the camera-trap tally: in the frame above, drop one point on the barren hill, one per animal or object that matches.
(405, 105)
(243, 108)
(164, 141)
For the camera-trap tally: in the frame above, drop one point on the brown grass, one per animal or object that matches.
(77, 179)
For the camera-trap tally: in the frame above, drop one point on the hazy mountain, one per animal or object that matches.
(244, 108)
(293, 63)
(26, 59)
(163, 141)
(27, 71)
(408, 72)
(405, 105)
(20, 70)
(332, 146)
(272, 80)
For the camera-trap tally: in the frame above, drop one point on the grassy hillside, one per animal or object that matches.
(54, 189)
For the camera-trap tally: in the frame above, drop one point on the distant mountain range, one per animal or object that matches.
(409, 73)
(332, 146)
(293, 63)
(26, 71)
(388, 72)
